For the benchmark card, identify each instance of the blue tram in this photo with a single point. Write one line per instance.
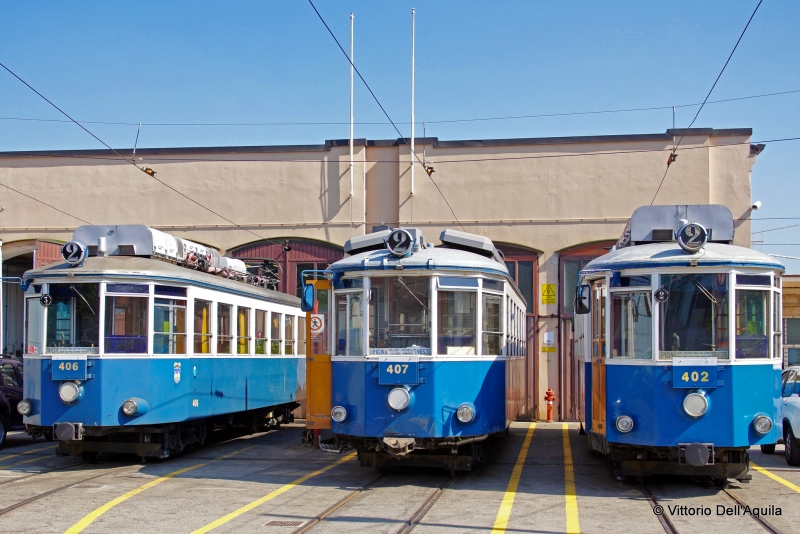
(428, 348)
(681, 338)
(141, 342)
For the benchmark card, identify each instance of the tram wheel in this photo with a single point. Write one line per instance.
(768, 449)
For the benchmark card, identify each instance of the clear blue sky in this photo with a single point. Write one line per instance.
(168, 62)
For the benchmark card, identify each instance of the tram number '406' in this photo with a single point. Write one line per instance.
(694, 376)
(397, 369)
(68, 366)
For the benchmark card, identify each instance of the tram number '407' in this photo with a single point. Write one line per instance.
(397, 369)
(694, 376)
(68, 366)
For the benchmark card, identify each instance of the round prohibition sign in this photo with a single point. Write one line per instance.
(317, 325)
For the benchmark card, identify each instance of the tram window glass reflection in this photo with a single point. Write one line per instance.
(694, 318)
(288, 343)
(261, 332)
(202, 326)
(788, 384)
(33, 326)
(752, 323)
(457, 320)
(126, 325)
(169, 326)
(242, 330)
(276, 320)
(492, 325)
(399, 311)
(776, 325)
(224, 332)
(72, 320)
(493, 285)
(632, 281)
(457, 281)
(631, 325)
(301, 335)
(170, 291)
(349, 321)
(9, 375)
(752, 279)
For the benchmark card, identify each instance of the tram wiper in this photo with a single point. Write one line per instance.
(714, 303)
(399, 279)
(72, 287)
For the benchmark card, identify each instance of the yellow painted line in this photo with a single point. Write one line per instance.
(775, 477)
(501, 521)
(571, 503)
(22, 462)
(4, 458)
(247, 507)
(90, 518)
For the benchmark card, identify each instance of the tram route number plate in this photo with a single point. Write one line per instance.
(396, 370)
(69, 367)
(699, 374)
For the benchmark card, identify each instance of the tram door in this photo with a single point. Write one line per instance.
(598, 357)
(318, 359)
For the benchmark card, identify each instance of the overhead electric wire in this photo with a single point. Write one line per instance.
(775, 229)
(46, 204)
(128, 161)
(370, 123)
(386, 114)
(675, 149)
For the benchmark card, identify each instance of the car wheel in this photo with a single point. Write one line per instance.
(792, 447)
(3, 431)
(768, 449)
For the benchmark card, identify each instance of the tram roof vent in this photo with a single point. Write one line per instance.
(654, 224)
(471, 242)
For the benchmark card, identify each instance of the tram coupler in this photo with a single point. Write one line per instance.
(398, 446)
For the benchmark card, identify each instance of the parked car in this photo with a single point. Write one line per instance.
(10, 395)
(790, 392)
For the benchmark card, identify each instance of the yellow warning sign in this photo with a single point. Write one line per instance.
(548, 293)
(548, 349)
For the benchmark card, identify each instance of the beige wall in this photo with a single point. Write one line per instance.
(545, 194)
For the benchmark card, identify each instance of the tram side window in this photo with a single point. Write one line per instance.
(752, 323)
(349, 321)
(631, 325)
(275, 330)
(492, 325)
(261, 331)
(224, 336)
(399, 310)
(72, 320)
(301, 336)
(777, 351)
(288, 343)
(694, 316)
(169, 326)
(126, 325)
(202, 326)
(33, 326)
(457, 317)
(243, 330)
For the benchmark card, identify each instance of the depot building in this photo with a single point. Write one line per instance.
(549, 204)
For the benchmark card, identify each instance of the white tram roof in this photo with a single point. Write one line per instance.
(669, 254)
(426, 259)
(132, 268)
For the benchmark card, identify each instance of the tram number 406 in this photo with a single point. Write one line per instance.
(397, 369)
(68, 366)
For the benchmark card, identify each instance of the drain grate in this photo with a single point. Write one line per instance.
(279, 523)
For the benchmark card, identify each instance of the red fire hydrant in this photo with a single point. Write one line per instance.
(549, 397)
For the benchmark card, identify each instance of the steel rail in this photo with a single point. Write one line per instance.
(769, 527)
(667, 525)
(426, 506)
(321, 517)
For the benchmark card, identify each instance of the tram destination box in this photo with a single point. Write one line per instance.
(694, 372)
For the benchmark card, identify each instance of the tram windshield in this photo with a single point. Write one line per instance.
(399, 310)
(694, 316)
(73, 324)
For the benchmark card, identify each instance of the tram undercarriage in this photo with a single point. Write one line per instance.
(694, 459)
(157, 441)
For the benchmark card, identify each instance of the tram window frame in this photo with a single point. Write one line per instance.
(79, 321)
(485, 333)
(391, 299)
(614, 337)
(34, 326)
(261, 326)
(752, 352)
(450, 291)
(200, 338)
(113, 292)
(175, 332)
(275, 336)
(348, 336)
(777, 324)
(243, 341)
(301, 335)
(224, 329)
(288, 334)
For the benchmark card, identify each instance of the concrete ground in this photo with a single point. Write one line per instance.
(268, 482)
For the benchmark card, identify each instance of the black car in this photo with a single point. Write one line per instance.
(10, 395)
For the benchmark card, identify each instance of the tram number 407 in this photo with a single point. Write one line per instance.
(397, 369)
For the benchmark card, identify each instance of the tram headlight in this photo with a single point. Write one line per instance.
(399, 398)
(129, 407)
(465, 413)
(135, 406)
(624, 423)
(338, 414)
(69, 392)
(695, 404)
(24, 407)
(762, 424)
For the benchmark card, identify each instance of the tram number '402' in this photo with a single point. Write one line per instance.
(397, 369)
(68, 366)
(694, 376)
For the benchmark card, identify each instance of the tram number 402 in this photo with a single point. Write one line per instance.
(397, 369)
(694, 376)
(68, 366)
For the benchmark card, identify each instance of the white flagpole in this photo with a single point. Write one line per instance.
(413, 15)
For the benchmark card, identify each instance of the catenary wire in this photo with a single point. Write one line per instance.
(414, 154)
(128, 161)
(675, 149)
(45, 203)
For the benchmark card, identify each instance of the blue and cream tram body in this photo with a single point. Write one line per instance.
(429, 348)
(681, 339)
(133, 345)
